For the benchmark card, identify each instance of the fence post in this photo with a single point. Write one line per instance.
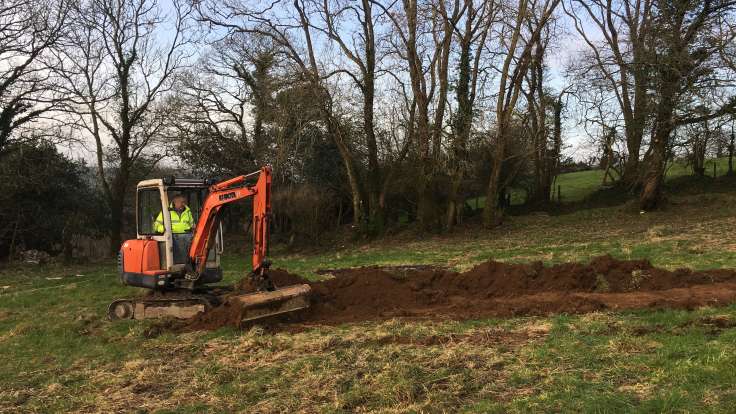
(714, 169)
(559, 193)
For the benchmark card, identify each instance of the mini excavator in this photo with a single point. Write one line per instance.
(179, 269)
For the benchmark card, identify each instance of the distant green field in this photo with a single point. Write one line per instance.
(576, 186)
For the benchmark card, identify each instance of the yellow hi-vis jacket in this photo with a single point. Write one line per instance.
(180, 223)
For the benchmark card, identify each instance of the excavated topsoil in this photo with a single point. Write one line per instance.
(491, 289)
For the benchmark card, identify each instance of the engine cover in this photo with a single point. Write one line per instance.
(140, 256)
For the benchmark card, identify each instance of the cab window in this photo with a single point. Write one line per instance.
(149, 207)
(194, 198)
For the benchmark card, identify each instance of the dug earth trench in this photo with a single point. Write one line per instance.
(491, 289)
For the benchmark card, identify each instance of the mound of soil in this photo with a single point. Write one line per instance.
(493, 289)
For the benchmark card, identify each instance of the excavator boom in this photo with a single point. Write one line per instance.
(231, 191)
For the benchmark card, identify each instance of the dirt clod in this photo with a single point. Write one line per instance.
(492, 289)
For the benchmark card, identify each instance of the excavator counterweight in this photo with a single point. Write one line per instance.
(178, 268)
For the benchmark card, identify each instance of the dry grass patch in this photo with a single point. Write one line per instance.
(639, 390)
(353, 368)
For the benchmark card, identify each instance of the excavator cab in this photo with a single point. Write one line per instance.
(158, 258)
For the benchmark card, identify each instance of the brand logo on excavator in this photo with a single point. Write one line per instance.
(227, 196)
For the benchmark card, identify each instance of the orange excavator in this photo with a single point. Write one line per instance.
(178, 267)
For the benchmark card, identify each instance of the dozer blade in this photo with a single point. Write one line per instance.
(264, 304)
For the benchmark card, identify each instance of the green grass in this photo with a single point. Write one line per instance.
(61, 355)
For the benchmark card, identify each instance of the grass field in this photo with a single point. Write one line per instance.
(60, 354)
(576, 186)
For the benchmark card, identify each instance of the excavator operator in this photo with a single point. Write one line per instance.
(181, 226)
(181, 217)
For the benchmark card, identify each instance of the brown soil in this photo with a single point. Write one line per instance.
(493, 289)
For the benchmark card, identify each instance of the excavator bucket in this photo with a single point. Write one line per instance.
(264, 304)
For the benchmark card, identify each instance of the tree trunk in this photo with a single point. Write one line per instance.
(730, 154)
(116, 202)
(425, 204)
(635, 131)
(462, 132)
(374, 177)
(554, 157)
(116, 226)
(492, 212)
(350, 170)
(631, 166)
(653, 176)
(537, 104)
(700, 147)
(455, 202)
(423, 134)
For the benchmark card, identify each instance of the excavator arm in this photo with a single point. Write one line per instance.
(226, 192)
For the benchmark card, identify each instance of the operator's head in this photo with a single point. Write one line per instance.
(179, 201)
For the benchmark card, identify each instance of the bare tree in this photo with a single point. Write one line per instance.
(289, 26)
(687, 56)
(423, 41)
(543, 109)
(229, 97)
(117, 71)
(622, 59)
(28, 30)
(472, 33)
(518, 41)
(360, 46)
